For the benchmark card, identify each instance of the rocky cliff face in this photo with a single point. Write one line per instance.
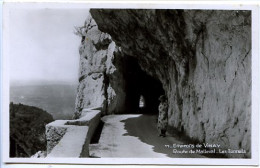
(201, 58)
(100, 74)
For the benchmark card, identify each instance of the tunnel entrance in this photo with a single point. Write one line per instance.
(142, 90)
(141, 102)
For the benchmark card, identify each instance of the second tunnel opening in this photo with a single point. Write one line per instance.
(142, 90)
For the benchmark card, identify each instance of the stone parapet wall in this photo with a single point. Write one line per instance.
(71, 138)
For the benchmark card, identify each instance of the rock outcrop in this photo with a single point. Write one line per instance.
(100, 72)
(201, 58)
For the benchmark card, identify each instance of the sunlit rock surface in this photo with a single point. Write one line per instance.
(202, 59)
(100, 72)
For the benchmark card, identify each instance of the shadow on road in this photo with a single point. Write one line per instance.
(144, 128)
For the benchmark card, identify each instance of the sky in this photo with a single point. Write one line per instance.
(43, 47)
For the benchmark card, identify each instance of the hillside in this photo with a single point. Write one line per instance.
(27, 130)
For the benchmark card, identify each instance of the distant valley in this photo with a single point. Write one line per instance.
(56, 99)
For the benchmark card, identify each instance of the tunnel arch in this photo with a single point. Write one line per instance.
(139, 83)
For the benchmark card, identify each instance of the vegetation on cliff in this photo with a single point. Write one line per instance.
(27, 130)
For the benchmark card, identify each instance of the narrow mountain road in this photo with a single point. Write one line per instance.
(135, 136)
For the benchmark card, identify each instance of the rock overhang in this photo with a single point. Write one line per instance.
(201, 58)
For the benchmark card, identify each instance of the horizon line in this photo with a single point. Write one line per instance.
(41, 82)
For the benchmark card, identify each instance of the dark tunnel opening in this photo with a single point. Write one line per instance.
(142, 90)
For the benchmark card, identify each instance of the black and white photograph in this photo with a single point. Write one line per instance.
(130, 84)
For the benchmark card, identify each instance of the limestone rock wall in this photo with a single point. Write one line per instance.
(99, 69)
(202, 58)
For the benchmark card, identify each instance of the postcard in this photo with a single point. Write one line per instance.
(130, 83)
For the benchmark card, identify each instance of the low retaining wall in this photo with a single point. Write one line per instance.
(71, 138)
